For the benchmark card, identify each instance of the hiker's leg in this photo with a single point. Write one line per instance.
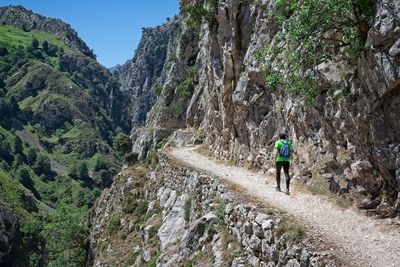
(286, 170)
(278, 174)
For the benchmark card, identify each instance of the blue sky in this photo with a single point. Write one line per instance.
(112, 28)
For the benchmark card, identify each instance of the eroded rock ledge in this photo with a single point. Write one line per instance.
(173, 216)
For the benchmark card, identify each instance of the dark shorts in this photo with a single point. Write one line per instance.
(284, 164)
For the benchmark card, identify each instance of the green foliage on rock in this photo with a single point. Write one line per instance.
(187, 208)
(122, 143)
(114, 223)
(197, 11)
(313, 32)
(221, 212)
(131, 158)
(158, 89)
(289, 230)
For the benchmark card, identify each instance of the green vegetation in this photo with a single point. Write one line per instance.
(151, 158)
(153, 260)
(132, 259)
(177, 105)
(313, 32)
(12, 37)
(289, 230)
(131, 158)
(187, 208)
(158, 89)
(114, 223)
(221, 212)
(199, 257)
(19, 47)
(58, 103)
(199, 11)
(162, 143)
(211, 231)
(66, 236)
(186, 88)
(122, 143)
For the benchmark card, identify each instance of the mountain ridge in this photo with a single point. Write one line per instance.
(60, 117)
(28, 20)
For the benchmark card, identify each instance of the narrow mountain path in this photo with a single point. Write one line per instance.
(362, 240)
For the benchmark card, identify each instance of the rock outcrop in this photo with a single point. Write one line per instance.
(141, 76)
(168, 215)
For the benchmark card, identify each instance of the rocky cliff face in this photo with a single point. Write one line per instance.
(167, 215)
(344, 144)
(351, 143)
(141, 76)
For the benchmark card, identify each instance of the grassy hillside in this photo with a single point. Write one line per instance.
(56, 142)
(11, 36)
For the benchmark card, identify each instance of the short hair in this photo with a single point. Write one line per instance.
(282, 135)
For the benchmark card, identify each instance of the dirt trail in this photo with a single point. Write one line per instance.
(362, 240)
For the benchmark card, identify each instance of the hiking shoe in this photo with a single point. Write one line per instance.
(278, 189)
(287, 192)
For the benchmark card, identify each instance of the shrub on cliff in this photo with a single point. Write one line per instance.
(313, 32)
(122, 143)
(199, 11)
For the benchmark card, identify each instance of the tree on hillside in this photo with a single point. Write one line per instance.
(122, 143)
(8, 107)
(67, 236)
(45, 46)
(82, 170)
(5, 151)
(42, 165)
(16, 144)
(31, 156)
(38, 54)
(24, 178)
(99, 163)
(72, 171)
(35, 44)
(17, 161)
(3, 51)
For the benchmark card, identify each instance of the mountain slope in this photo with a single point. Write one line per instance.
(141, 76)
(27, 20)
(60, 111)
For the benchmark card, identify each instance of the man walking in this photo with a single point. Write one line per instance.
(283, 153)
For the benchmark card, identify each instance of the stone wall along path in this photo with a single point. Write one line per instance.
(363, 240)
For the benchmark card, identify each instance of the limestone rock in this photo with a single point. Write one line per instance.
(173, 226)
(191, 239)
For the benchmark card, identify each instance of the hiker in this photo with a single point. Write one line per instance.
(283, 154)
